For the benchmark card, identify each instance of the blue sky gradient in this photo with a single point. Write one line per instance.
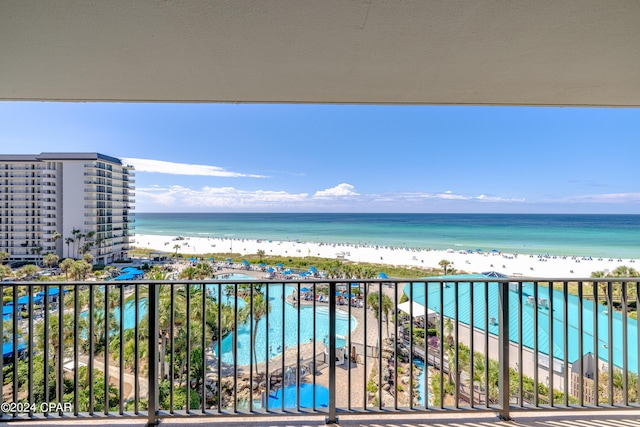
(350, 158)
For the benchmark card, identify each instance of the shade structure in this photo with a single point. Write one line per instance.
(270, 270)
(305, 290)
(245, 262)
(355, 285)
(7, 349)
(262, 264)
(127, 276)
(495, 274)
(418, 309)
(229, 260)
(52, 292)
(313, 269)
(279, 264)
(382, 275)
(192, 259)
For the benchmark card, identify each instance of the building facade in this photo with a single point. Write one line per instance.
(66, 203)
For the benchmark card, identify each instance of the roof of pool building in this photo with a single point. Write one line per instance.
(545, 317)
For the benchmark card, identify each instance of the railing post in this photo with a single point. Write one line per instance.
(153, 353)
(332, 418)
(503, 349)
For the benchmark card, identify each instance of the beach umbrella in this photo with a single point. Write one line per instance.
(211, 259)
(245, 262)
(279, 265)
(313, 269)
(382, 276)
(494, 250)
(305, 290)
(355, 285)
(229, 260)
(470, 251)
(338, 293)
(262, 264)
(270, 270)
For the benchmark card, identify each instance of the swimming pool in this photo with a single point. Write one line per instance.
(289, 329)
(545, 318)
(306, 397)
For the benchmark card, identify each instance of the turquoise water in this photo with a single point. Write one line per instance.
(584, 235)
(546, 319)
(306, 397)
(422, 378)
(276, 328)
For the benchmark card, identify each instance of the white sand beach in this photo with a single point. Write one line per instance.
(525, 265)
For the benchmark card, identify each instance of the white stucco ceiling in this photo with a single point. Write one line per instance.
(538, 52)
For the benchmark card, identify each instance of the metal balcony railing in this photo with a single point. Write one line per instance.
(297, 347)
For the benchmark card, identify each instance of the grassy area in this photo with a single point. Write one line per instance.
(303, 263)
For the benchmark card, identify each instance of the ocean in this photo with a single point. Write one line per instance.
(615, 236)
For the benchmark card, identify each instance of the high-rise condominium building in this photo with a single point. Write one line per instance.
(65, 203)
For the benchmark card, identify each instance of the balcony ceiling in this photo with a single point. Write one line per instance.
(479, 52)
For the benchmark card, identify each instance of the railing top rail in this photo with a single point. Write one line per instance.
(327, 281)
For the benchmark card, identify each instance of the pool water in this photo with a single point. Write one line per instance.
(546, 319)
(284, 335)
(306, 397)
(421, 380)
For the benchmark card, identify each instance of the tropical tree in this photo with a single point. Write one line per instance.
(260, 308)
(5, 271)
(50, 260)
(65, 266)
(3, 256)
(176, 247)
(27, 272)
(88, 258)
(445, 265)
(52, 336)
(79, 270)
(68, 241)
(260, 254)
(76, 239)
(37, 250)
(373, 300)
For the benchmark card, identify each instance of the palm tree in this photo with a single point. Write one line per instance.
(5, 271)
(373, 300)
(79, 270)
(68, 241)
(260, 254)
(444, 264)
(77, 236)
(260, 308)
(176, 247)
(52, 335)
(50, 260)
(65, 266)
(37, 250)
(3, 256)
(28, 271)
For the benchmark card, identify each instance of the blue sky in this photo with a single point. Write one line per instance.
(349, 158)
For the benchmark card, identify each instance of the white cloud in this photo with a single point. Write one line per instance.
(340, 190)
(613, 198)
(173, 168)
